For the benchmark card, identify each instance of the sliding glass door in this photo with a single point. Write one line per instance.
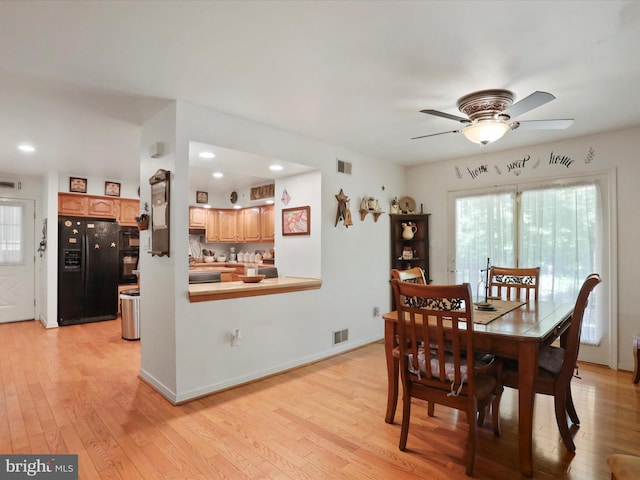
(561, 226)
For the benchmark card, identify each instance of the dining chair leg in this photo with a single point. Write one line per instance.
(482, 412)
(406, 415)
(495, 413)
(431, 409)
(561, 420)
(471, 440)
(571, 409)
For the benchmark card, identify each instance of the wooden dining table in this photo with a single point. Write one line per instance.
(516, 334)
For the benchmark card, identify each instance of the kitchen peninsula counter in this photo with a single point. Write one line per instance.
(204, 292)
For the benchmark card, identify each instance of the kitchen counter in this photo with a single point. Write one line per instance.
(226, 273)
(204, 292)
(211, 267)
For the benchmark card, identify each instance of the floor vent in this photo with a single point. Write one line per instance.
(343, 166)
(9, 184)
(340, 336)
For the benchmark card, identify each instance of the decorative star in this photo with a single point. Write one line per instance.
(342, 206)
(96, 246)
(113, 244)
(75, 231)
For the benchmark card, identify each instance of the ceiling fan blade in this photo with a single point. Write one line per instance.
(438, 113)
(435, 134)
(535, 100)
(559, 124)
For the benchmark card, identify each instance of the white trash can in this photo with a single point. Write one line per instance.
(130, 314)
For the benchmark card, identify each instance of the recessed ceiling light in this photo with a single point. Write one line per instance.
(26, 148)
(275, 167)
(237, 206)
(207, 154)
(268, 202)
(218, 175)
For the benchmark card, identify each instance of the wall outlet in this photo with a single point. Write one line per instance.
(235, 338)
(376, 311)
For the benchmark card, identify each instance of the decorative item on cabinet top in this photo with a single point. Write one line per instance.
(202, 197)
(407, 205)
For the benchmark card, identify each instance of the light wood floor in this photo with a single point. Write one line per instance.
(75, 390)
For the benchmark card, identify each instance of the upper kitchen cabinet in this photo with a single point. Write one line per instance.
(124, 210)
(197, 217)
(129, 210)
(267, 222)
(228, 225)
(102, 207)
(74, 204)
(251, 223)
(212, 230)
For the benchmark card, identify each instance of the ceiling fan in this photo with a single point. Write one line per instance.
(489, 113)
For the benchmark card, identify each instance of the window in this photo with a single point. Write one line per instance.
(11, 234)
(555, 226)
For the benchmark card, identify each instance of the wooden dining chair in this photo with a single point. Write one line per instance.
(413, 275)
(556, 366)
(514, 283)
(445, 373)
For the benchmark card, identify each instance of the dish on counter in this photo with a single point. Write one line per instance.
(251, 278)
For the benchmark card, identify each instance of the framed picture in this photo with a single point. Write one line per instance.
(112, 189)
(202, 197)
(78, 185)
(296, 221)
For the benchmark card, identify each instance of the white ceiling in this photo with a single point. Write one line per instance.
(77, 79)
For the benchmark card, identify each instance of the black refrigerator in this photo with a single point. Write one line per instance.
(87, 270)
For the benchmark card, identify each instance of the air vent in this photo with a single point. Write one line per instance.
(343, 166)
(340, 336)
(9, 184)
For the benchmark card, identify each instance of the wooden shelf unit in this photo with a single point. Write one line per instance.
(419, 244)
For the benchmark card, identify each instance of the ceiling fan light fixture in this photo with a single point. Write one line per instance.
(485, 131)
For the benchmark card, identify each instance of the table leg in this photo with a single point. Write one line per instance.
(393, 367)
(527, 371)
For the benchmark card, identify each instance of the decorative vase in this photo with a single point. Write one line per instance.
(408, 230)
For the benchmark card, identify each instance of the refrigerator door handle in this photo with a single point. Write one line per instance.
(85, 258)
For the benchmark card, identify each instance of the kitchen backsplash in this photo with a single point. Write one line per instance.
(196, 246)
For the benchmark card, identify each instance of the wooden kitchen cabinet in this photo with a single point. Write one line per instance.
(124, 210)
(253, 224)
(212, 230)
(101, 207)
(129, 210)
(197, 217)
(73, 204)
(228, 227)
(251, 221)
(267, 223)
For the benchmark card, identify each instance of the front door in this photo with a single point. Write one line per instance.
(17, 258)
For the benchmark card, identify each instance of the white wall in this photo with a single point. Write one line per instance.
(278, 331)
(158, 316)
(429, 184)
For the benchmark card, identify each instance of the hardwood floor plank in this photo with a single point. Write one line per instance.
(76, 390)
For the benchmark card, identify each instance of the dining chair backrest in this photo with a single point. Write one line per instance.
(440, 316)
(571, 341)
(413, 275)
(514, 283)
